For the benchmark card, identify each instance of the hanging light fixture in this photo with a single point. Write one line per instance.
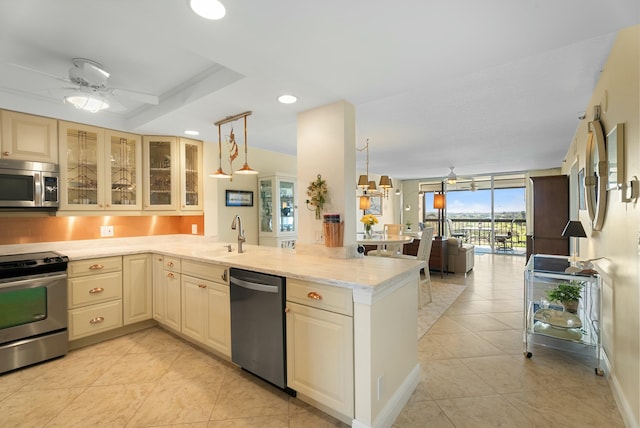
(83, 100)
(220, 172)
(369, 187)
(246, 169)
(208, 9)
(452, 177)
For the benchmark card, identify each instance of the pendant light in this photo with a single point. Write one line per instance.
(246, 169)
(220, 172)
(369, 187)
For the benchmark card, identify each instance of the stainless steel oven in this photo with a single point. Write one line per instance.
(33, 308)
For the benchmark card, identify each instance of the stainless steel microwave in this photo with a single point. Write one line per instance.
(25, 184)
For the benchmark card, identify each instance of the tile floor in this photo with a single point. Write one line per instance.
(473, 375)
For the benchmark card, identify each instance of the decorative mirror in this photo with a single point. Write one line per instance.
(595, 180)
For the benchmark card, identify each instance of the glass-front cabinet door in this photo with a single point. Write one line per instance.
(81, 167)
(190, 175)
(124, 154)
(160, 178)
(278, 211)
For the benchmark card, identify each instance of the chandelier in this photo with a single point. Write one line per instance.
(368, 187)
(233, 149)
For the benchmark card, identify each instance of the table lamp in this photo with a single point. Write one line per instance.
(575, 230)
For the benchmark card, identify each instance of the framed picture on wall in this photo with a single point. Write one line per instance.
(238, 198)
(581, 204)
(376, 205)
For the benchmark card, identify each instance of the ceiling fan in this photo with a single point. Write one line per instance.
(90, 91)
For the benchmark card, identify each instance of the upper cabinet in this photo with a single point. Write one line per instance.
(27, 137)
(278, 211)
(190, 175)
(172, 174)
(160, 179)
(99, 169)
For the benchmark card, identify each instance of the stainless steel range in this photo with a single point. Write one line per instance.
(33, 308)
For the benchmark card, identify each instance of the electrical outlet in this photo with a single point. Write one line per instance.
(319, 237)
(194, 229)
(380, 387)
(106, 231)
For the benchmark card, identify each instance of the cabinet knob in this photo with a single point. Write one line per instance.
(96, 290)
(313, 295)
(96, 320)
(170, 264)
(170, 275)
(224, 275)
(5, 153)
(287, 310)
(96, 267)
(202, 286)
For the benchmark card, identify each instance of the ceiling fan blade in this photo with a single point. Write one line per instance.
(115, 105)
(138, 96)
(43, 73)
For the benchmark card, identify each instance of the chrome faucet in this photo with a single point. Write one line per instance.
(237, 224)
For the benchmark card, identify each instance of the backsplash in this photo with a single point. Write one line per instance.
(24, 230)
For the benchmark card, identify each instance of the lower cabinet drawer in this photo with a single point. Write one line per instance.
(88, 290)
(94, 319)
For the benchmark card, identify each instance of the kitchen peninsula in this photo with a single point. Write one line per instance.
(380, 362)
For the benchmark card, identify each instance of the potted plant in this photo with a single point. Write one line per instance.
(567, 293)
(408, 224)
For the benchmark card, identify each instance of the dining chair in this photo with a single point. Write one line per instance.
(424, 252)
(390, 250)
(459, 234)
(505, 240)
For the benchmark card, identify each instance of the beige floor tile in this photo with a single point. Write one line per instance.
(278, 421)
(429, 349)
(314, 418)
(511, 373)
(447, 324)
(508, 341)
(567, 408)
(117, 346)
(464, 345)
(483, 412)
(159, 340)
(71, 371)
(470, 307)
(195, 364)
(247, 396)
(111, 406)
(512, 319)
(452, 379)
(478, 322)
(35, 408)
(138, 368)
(422, 415)
(187, 402)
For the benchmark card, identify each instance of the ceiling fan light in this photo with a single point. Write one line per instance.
(87, 102)
(208, 9)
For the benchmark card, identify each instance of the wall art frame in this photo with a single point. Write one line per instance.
(238, 198)
(581, 203)
(615, 158)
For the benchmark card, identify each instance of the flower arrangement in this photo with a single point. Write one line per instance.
(369, 220)
(317, 191)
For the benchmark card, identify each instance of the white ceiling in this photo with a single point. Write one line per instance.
(491, 86)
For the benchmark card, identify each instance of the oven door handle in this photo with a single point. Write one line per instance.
(254, 285)
(32, 281)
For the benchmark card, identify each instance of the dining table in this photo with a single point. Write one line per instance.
(384, 241)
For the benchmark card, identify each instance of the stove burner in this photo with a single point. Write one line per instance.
(16, 265)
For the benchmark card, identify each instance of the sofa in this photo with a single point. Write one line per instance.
(460, 256)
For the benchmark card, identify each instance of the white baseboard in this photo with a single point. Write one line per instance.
(623, 404)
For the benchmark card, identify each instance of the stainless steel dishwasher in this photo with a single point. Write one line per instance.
(258, 325)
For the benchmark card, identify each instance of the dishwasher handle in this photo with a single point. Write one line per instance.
(254, 285)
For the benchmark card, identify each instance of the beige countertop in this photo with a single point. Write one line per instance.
(357, 273)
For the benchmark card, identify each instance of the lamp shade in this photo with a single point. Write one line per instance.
(365, 203)
(438, 201)
(385, 182)
(363, 181)
(575, 229)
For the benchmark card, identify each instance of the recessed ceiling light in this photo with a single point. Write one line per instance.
(190, 132)
(287, 99)
(208, 9)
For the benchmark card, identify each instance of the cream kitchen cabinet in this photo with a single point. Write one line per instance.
(190, 175)
(159, 292)
(160, 173)
(278, 211)
(137, 289)
(95, 296)
(99, 169)
(320, 344)
(206, 312)
(167, 299)
(28, 137)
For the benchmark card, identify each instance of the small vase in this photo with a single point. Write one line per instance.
(570, 306)
(368, 231)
